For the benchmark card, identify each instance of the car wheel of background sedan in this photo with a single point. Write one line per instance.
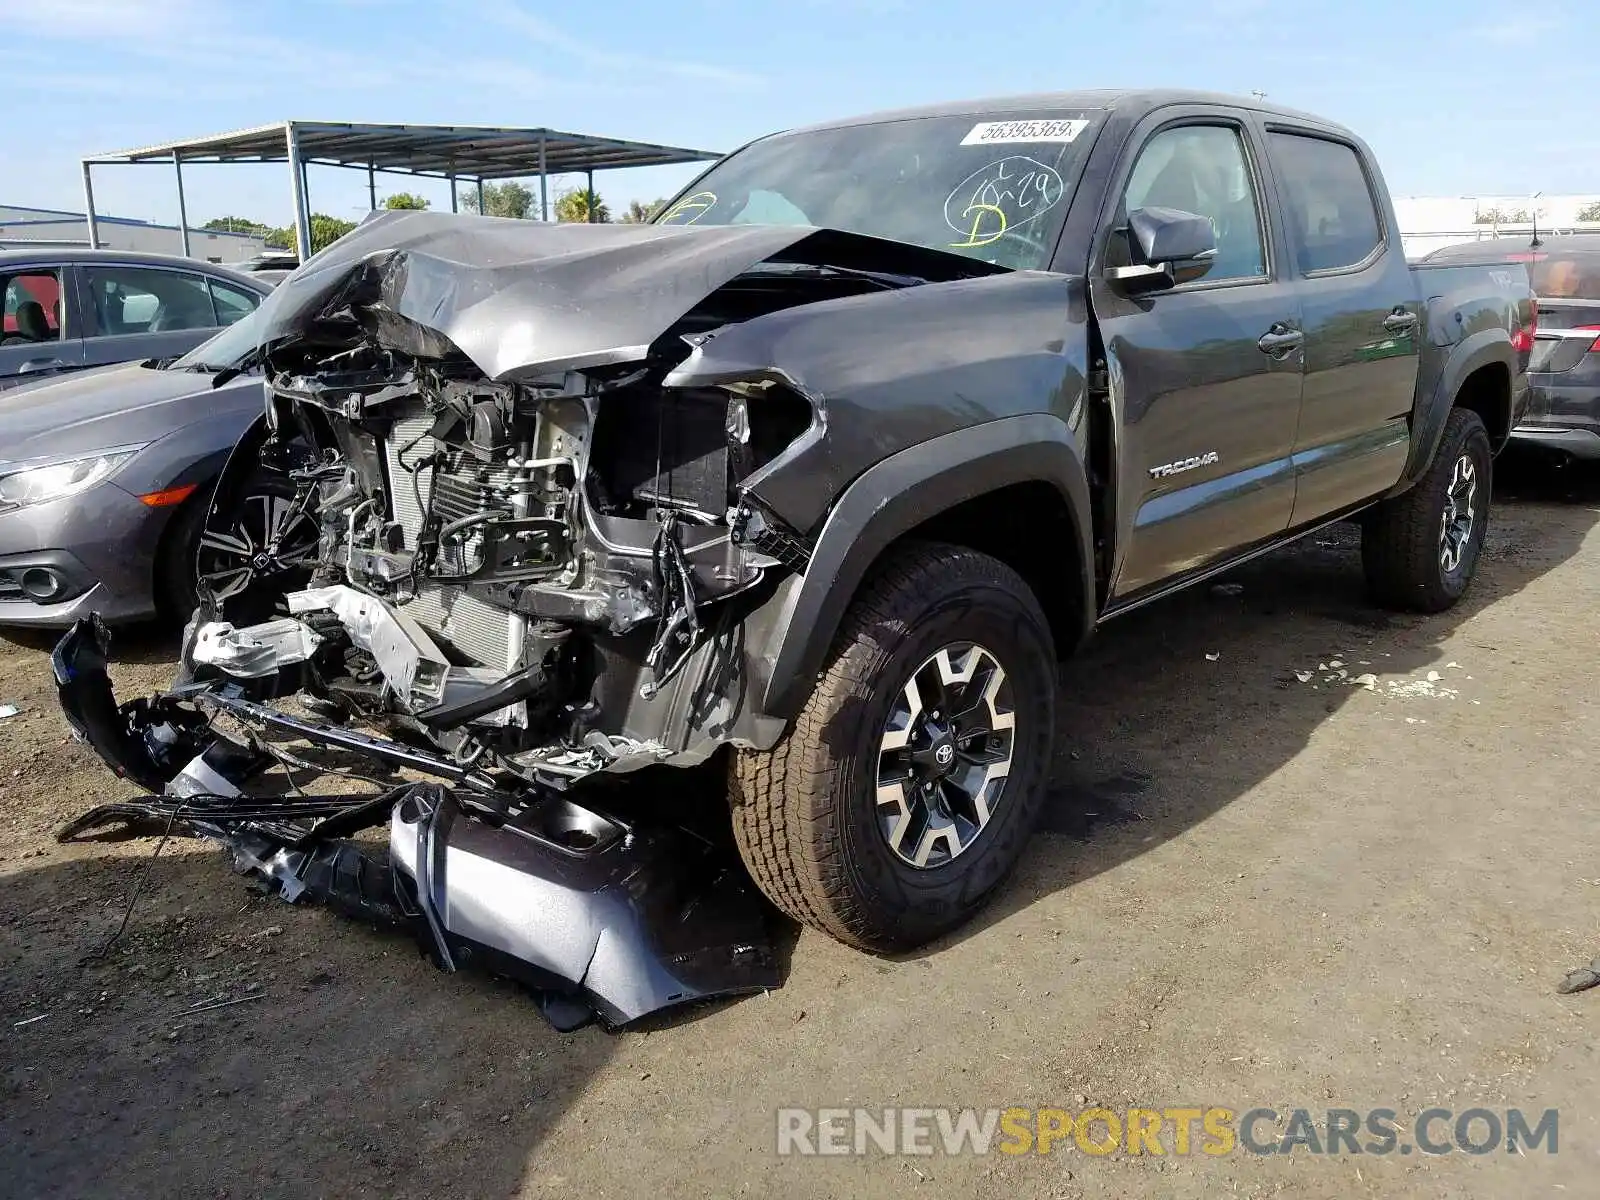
(265, 538)
(906, 789)
(1420, 548)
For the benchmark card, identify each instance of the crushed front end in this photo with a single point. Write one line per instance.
(543, 560)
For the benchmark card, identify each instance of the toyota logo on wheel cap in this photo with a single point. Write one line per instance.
(945, 755)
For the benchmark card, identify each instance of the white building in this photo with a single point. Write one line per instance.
(24, 227)
(1428, 222)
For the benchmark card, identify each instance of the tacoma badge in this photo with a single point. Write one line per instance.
(1185, 464)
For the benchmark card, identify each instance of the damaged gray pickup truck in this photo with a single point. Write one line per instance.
(817, 475)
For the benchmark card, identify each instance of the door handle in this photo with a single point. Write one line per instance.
(1280, 341)
(1400, 321)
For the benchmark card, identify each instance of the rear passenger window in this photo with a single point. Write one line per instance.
(1567, 276)
(232, 303)
(1333, 221)
(145, 300)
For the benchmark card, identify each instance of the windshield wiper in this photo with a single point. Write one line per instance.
(888, 280)
(228, 374)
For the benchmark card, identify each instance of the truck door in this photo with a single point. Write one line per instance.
(1204, 377)
(1360, 306)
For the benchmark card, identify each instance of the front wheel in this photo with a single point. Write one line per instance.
(267, 538)
(1420, 548)
(905, 791)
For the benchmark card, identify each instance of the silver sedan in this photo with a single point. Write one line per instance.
(105, 482)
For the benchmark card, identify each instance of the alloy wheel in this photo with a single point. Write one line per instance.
(945, 755)
(271, 535)
(1455, 526)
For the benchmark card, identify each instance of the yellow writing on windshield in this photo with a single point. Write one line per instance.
(988, 225)
(691, 208)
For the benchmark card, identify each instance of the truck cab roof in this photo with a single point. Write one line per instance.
(1133, 102)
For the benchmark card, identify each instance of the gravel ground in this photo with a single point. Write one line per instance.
(1261, 885)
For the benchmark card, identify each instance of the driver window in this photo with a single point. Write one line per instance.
(1202, 169)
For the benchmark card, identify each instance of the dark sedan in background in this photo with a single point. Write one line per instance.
(1564, 372)
(105, 479)
(69, 309)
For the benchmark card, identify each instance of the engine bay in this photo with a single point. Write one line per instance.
(547, 576)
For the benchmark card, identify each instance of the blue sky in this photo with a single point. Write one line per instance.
(1449, 92)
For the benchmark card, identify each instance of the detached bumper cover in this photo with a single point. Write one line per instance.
(601, 917)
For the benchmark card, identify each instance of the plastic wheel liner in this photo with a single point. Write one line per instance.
(599, 916)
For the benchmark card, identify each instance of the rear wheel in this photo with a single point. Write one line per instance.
(1420, 549)
(906, 789)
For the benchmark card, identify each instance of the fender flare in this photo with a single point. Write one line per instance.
(894, 497)
(1487, 347)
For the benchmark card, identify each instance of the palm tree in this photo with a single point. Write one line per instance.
(574, 205)
(639, 212)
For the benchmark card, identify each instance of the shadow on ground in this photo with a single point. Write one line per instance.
(1155, 736)
(145, 644)
(365, 1071)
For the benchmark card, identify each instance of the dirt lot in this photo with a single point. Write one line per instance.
(1254, 891)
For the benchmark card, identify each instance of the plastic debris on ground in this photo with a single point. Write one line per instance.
(8, 710)
(1334, 671)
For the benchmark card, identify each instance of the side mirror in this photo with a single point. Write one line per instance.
(1172, 247)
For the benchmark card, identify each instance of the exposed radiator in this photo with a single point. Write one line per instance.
(465, 484)
(477, 629)
(471, 626)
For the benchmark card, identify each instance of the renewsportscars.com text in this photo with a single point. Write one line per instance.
(1176, 1130)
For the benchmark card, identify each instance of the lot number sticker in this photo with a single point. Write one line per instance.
(1000, 133)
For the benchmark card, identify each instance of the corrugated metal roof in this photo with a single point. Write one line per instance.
(468, 151)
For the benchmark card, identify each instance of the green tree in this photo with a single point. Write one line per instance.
(409, 201)
(639, 212)
(1500, 216)
(325, 231)
(236, 225)
(1590, 212)
(508, 199)
(277, 238)
(575, 204)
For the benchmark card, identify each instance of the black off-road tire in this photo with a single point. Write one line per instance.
(805, 814)
(1401, 539)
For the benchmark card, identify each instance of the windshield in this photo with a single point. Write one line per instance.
(991, 189)
(223, 351)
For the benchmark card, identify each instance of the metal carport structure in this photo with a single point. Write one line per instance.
(459, 153)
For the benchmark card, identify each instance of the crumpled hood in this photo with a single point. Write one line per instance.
(527, 298)
(120, 406)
